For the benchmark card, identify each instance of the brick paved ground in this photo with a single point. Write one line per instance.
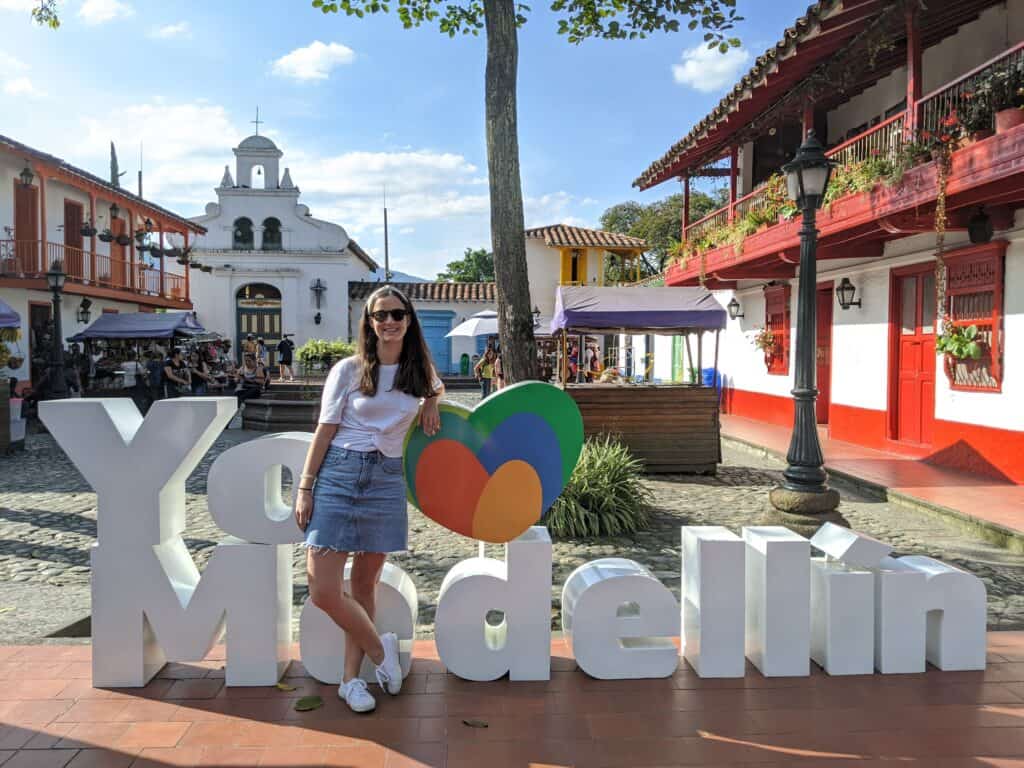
(47, 523)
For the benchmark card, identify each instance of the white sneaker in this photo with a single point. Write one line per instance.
(355, 694)
(389, 673)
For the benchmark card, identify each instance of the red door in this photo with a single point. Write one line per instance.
(915, 351)
(823, 353)
(118, 258)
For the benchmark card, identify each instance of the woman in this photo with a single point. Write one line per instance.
(499, 372)
(175, 375)
(250, 379)
(359, 505)
(484, 370)
(200, 372)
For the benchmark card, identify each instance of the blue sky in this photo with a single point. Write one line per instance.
(357, 104)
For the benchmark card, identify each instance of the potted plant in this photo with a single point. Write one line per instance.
(123, 240)
(106, 235)
(155, 252)
(87, 230)
(959, 345)
(1005, 88)
(976, 115)
(142, 248)
(764, 340)
(192, 264)
(206, 268)
(183, 260)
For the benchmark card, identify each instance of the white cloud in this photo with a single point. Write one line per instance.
(14, 80)
(169, 31)
(314, 62)
(101, 11)
(22, 86)
(407, 230)
(707, 70)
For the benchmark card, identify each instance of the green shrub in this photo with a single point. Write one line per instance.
(324, 352)
(605, 495)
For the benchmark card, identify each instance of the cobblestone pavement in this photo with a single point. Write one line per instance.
(48, 522)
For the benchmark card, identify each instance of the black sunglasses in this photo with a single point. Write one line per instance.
(398, 315)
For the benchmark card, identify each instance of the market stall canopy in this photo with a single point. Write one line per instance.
(637, 310)
(8, 317)
(141, 325)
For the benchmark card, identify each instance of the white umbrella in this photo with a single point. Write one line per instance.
(481, 324)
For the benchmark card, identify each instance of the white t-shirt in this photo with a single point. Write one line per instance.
(377, 423)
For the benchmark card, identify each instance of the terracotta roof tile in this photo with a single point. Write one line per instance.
(440, 292)
(564, 236)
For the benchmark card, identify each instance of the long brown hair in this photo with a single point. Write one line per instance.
(415, 373)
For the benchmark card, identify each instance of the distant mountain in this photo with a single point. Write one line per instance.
(398, 277)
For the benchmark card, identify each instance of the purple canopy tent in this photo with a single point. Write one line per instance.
(8, 317)
(141, 325)
(669, 427)
(676, 311)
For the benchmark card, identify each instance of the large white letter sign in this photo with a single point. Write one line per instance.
(147, 596)
(927, 609)
(244, 487)
(843, 600)
(520, 587)
(713, 600)
(778, 626)
(322, 642)
(620, 621)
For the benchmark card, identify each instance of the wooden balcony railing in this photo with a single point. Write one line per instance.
(25, 259)
(885, 139)
(934, 107)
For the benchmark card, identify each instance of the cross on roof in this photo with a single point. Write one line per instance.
(257, 121)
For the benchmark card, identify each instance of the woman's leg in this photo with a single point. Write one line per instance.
(325, 569)
(366, 570)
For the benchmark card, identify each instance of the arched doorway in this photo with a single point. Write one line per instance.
(258, 311)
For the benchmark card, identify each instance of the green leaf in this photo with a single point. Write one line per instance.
(285, 687)
(971, 332)
(308, 703)
(973, 350)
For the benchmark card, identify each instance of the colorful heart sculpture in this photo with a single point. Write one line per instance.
(492, 472)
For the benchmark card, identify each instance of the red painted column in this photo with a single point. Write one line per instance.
(188, 290)
(92, 237)
(913, 66)
(43, 251)
(131, 251)
(733, 168)
(686, 204)
(163, 260)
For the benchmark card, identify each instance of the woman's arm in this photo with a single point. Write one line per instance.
(314, 458)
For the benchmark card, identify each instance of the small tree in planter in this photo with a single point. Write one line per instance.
(764, 340)
(960, 343)
(1005, 89)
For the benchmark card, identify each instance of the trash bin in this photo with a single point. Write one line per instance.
(464, 364)
(710, 379)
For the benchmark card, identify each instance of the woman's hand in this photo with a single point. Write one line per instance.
(430, 417)
(303, 508)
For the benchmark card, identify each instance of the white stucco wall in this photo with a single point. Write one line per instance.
(544, 269)
(995, 30)
(860, 338)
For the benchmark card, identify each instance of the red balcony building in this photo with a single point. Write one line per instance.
(882, 84)
(120, 252)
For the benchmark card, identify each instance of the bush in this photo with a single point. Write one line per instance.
(605, 495)
(324, 352)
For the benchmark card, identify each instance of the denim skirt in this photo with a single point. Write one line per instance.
(359, 503)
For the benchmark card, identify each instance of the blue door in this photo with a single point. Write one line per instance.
(436, 323)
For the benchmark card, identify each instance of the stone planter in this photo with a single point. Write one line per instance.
(1008, 118)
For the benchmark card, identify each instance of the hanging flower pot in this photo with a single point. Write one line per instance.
(87, 230)
(14, 363)
(155, 252)
(206, 268)
(142, 248)
(1007, 119)
(174, 253)
(183, 260)
(194, 265)
(106, 236)
(123, 240)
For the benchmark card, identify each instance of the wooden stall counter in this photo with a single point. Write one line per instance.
(672, 428)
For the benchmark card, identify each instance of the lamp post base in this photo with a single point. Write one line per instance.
(804, 512)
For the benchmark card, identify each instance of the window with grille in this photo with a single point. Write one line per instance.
(777, 322)
(974, 296)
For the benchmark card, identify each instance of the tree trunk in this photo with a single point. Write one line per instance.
(508, 241)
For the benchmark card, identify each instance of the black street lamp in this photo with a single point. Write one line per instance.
(804, 489)
(734, 309)
(56, 385)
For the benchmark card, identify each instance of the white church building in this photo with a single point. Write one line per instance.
(275, 268)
